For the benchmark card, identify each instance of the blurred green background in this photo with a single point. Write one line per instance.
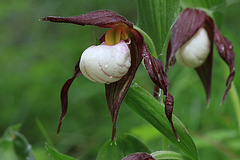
(37, 58)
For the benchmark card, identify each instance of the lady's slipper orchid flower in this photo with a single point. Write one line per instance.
(191, 45)
(115, 61)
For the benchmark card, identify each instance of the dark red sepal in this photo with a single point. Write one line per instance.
(225, 50)
(205, 74)
(115, 92)
(101, 18)
(159, 77)
(64, 94)
(205, 70)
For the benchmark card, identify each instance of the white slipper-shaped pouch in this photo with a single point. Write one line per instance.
(106, 63)
(195, 51)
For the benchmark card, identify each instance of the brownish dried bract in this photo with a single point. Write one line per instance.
(139, 156)
(116, 91)
(188, 23)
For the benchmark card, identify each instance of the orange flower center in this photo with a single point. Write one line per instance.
(115, 35)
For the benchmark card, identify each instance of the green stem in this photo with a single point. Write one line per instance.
(234, 97)
(236, 103)
(148, 41)
(44, 132)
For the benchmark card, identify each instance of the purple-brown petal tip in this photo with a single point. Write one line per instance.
(168, 111)
(64, 94)
(155, 70)
(50, 19)
(101, 18)
(225, 50)
(139, 156)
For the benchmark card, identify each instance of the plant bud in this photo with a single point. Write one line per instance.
(106, 63)
(195, 51)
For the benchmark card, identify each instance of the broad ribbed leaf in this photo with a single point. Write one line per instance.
(126, 145)
(168, 155)
(156, 18)
(150, 109)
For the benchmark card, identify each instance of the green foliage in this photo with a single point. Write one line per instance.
(156, 17)
(148, 42)
(14, 146)
(37, 58)
(44, 132)
(56, 155)
(168, 155)
(150, 109)
(125, 145)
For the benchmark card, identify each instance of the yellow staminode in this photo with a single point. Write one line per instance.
(115, 35)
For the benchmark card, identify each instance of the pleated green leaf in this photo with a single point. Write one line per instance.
(125, 145)
(156, 18)
(151, 110)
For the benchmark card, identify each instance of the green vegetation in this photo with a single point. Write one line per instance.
(37, 57)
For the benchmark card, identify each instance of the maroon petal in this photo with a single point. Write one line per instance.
(188, 23)
(64, 94)
(205, 74)
(225, 50)
(139, 156)
(101, 18)
(205, 70)
(115, 92)
(159, 77)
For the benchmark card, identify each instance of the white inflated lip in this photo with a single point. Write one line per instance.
(105, 63)
(195, 51)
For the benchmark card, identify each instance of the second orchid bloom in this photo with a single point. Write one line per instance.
(191, 45)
